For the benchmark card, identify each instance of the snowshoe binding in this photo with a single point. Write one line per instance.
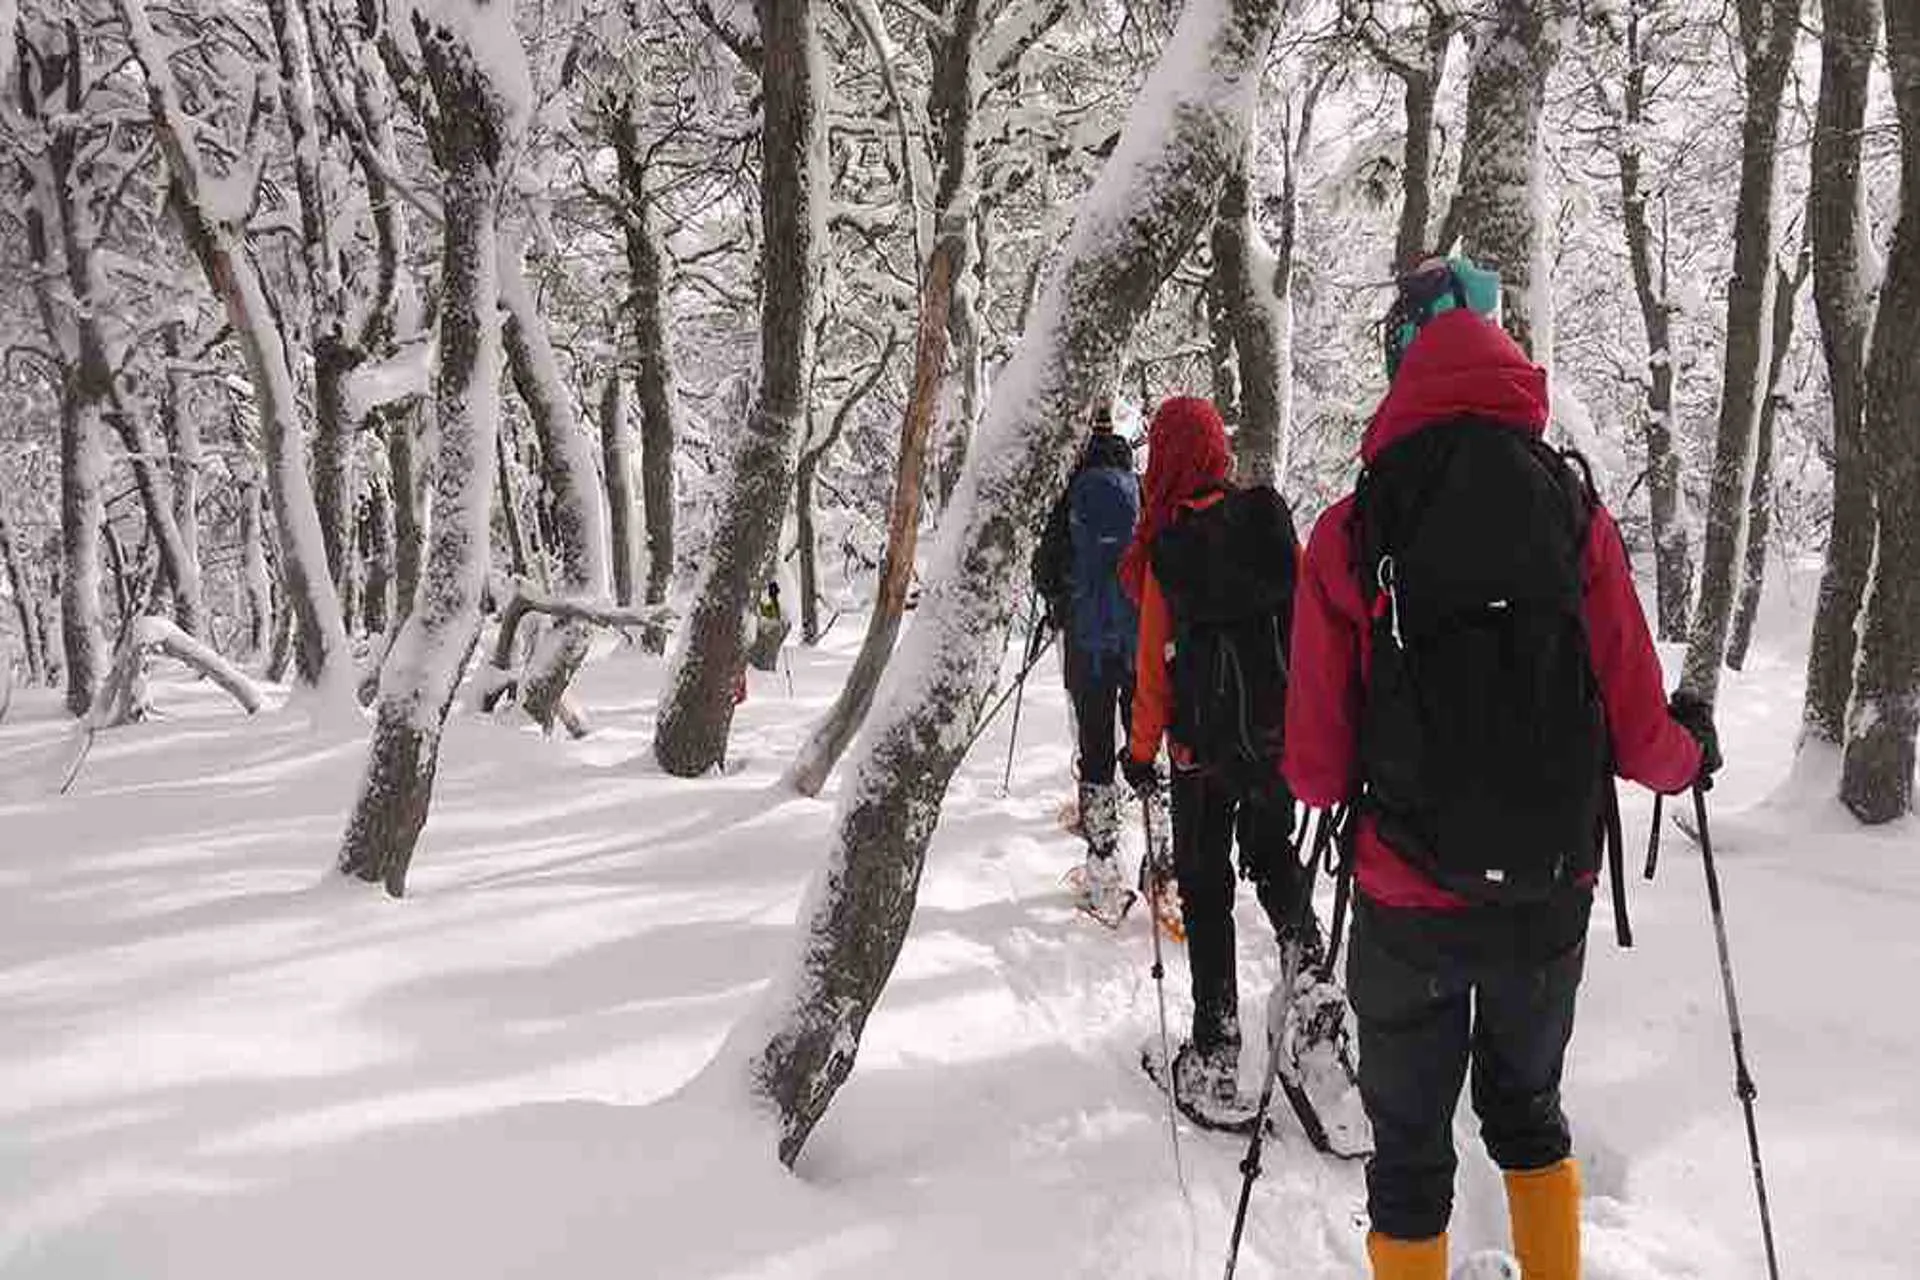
(1205, 1086)
(1314, 1062)
(1099, 891)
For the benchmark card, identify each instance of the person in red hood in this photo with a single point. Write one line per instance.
(1209, 559)
(1440, 983)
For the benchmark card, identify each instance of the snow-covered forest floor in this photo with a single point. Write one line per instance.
(218, 1060)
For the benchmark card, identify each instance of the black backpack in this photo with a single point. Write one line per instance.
(1228, 572)
(1483, 743)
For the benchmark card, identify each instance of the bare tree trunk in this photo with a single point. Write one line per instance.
(696, 711)
(1877, 774)
(322, 658)
(82, 624)
(566, 464)
(1767, 30)
(616, 460)
(1245, 303)
(653, 367)
(18, 583)
(1495, 211)
(1672, 552)
(182, 433)
(969, 375)
(519, 561)
(807, 552)
(1140, 220)
(376, 538)
(952, 109)
(1841, 297)
(1419, 72)
(255, 578)
(472, 131)
(1753, 581)
(409, 530)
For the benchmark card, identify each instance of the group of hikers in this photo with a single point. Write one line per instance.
(1457, 666)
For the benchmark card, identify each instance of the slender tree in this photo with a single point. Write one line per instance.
(1842, 293)
(1767, 32)
(1877, 773)
(474, 63)
(696, 711)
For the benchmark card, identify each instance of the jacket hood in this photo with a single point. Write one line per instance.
(1105, 449)
(1186, 455)
(1460, 365)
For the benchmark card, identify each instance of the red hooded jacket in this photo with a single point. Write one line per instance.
(1459, 365)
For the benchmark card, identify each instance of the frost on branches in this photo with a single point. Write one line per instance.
(474, 62)
(1153, 199)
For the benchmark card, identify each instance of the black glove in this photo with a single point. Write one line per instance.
(1142, 775)
(1695, 715)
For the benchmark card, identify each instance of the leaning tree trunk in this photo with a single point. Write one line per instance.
(566, 466)
(1672, 550)
(1495, 213)
(616, 462)
(18, 584)
(952, 109)
(1160, 186)
(1841, 297)
(1877, 773)
(697, 709)
(1767, 30)
(1753, 579)
(469, 49)
(653, 363)
(321, 659)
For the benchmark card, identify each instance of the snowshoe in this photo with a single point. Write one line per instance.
(1204, 1087)
(1098, 891)
(1314, 1063)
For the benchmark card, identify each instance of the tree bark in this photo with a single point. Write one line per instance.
(1877, 771)
(409, 528)
(1245, 302)
(467, 51)
(1767, 30)
(1138, 223)
(1672, 550)
(1841, 298)
(21, 587)
(375, 537)
(952, 109)
(321, 659)
(566, 467)
(616, 461)
(1753, 579)
(1494, 212)
(696, 711)
(82, 514)
(653, 363)
(256, 580)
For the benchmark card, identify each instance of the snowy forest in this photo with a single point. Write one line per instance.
(422, 824)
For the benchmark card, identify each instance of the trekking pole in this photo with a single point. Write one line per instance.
(1743, 1080)
(1036, 645)
(1289, 973)
(1616, 865)
(1344, 824)
(1155, 855)
(999, 704)
(1653, 839)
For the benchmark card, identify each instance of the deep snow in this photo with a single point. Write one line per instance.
(219, 1061)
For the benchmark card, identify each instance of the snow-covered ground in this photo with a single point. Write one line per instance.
(219, 1061)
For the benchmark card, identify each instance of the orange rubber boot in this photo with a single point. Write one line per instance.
(1396, 1259)
(1543, 1206)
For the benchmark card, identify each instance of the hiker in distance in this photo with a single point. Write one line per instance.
(1075, 572)
(1213, 569)
(1470, 662)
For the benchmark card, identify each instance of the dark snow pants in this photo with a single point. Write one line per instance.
(1429, 1014)
(1209, 818)
(1102, 693)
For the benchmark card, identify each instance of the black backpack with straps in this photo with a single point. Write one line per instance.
(1228, 573)
(1483, 742)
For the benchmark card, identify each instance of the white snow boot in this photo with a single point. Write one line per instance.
(1100, 890)
(1100, 817)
